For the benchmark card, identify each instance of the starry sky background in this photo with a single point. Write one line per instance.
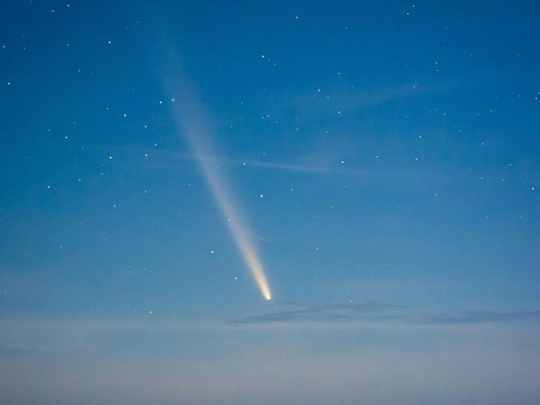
(383, 154)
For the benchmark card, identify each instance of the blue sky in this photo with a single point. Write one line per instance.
(377, 161)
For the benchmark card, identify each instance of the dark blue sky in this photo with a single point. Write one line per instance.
(379, 160)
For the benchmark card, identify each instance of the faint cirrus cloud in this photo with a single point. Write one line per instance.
(390, 314)
(326, 313)
(482, 316)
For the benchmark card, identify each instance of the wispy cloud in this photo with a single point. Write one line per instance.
(325, 313)
(328, 101)
(390, 314)
(159, 158)
(317, 169)
(475, 317)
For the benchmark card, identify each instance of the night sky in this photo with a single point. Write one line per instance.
(167, 165)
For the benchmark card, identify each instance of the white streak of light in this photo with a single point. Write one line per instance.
(192, 122)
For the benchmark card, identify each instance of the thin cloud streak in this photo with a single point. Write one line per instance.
(325, 313)
(476, 317)
(391, 314)
(280, 166)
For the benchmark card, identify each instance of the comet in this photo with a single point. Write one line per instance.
(193, 121)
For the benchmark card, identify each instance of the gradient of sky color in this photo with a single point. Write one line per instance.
(380, 157)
